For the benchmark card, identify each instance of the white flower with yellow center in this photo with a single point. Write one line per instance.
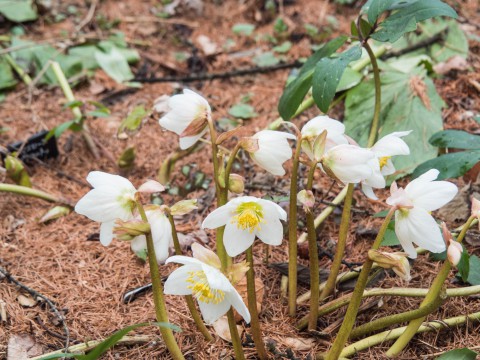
(200, 277)
(272, 150)
(112, 197)
(245, 218)
(388, 146)
(413, 222)
(188, 117)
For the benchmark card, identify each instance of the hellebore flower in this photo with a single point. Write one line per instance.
(201, 277)
(161, 233)
(112, 197)
(188, 117)
(413, 222)
(244, 218)
(388, 146)
(397, 261)
(271, 149)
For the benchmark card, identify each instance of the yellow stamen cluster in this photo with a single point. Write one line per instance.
(250, 216)
(201, 288)
(383, 161)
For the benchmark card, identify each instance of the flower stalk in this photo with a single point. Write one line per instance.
(27, 191)
(378, 95)
(158, 297)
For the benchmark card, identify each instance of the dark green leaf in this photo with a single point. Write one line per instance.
(381, 214)
(60, 129)
(114, 64)
(133, 121)
(474, 274)
(458, 354)
(7, 79)
(405, 19)
(450, 165)
(350, 78)
(327, 75)
(366, 28)
(455, 139)
(99, 113)
(439, 256)
(73, 104)
(464, 265)
(376, 8)
(390, 238)
(296, 90)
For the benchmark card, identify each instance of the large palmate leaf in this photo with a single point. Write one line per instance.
(328, 73)
(405, 19)
(18, 10)
(450, 165)
(455, 139)
(409, 102)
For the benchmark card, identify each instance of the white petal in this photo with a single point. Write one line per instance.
(102, 204)
(391, 145)
(106, 232)
(424, 231)
(368, 191)
(218, 217)
(271, 207)
(161, 233)
(139, 243)
(237, 302)
(216, 280)
(271, 232)
(185, 260)
(212, 312)
(403, 234)
(99, 178)
(206, 256)
(432, 195)
(318, 124)
(237, 240)
(187, 141)
(176, 283)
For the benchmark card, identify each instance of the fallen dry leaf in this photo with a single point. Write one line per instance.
(221, 329)
(241, 287)
(458, 208)
(3, 311)
(207, 45)
(298, 343)
(22, 347)
(454, 63)
(26, 300)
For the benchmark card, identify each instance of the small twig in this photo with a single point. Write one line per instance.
(40, 322)
(35, 294)
(221, 75)
(88, 18)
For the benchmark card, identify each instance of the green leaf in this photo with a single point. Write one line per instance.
(243, 29)
(7, 78)
(349, 79)
(409, 102)
(456, 139)
(114, 64)
(242, 111)
(464, 265)
(458, 354)
(405, 19)
(18, 10)
(134, 119)
(450, 165)
(390, 238)
(296, 90)
(283, 48)
(60, 129)
(474, 274)
(327, 75)
(377, 7)
(455, 44)
(266, 59)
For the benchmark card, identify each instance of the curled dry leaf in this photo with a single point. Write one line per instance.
(189, 238)
(221, 329)
(26, 300)
(23, 347)
(3, 311)
(241, 287)
(454, 63)
(298, 344)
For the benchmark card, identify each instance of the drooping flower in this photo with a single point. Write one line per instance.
(201, 277)
(388, 146)
(314, 127)
(244, 218)
(188, 117)
(271, 150)
(413, 222)
(112, 197)
(161, 233)
(397, 261)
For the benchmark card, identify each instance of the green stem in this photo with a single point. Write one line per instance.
(252, 307)
(189, 298)
(435, 289)
(158, 298)
(228, 167)
(341, 244)
(352, 310)
(18, 69)
(24, 190)
(395, 333)
(292, 232)
(313, 257)
(378, 95)
(67, 90)
(387, 321)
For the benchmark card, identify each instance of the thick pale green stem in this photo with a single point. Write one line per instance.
(435, 289)
(18, 69)
(189, 298)
(228, 167)
(292, 232)
(352, 309)
(252, 307)
(67, 90)
(341, 244)
(158, 298)
(24, 190)
(378, 95)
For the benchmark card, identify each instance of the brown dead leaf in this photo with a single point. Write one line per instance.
(454, 63)
(458, 208)
(241, 287)
(420, 89)
(298, 344)
(221, 329)
(3, 311)
(207, 45)
(26, 300)
(22, 347)
(199, 236)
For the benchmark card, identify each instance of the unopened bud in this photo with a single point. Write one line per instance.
(151, 186)
(319, 146)
(16, 171)
(184, 207)
(236, 183)
(454, 252)
(396, 261)
(306, 199)
(128, 230)
(447, 235)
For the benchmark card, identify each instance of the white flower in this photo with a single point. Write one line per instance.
(273, 150)
(388, 146)
(188, 117)
(413, 222)
(112, 197)
(161, 233)
(244, 218)
(348, 163)
(213, 291)
(314, 127)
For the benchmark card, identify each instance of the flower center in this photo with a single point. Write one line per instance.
(201, 288)
(383, 161)
(249, 216)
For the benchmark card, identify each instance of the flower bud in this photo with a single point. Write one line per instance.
(184, 207)
(396, 261)
(236, 183)
(150, 187)
(128, 230)
(319, 146)
(307, 199)
(454, 252)
(16, 171)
